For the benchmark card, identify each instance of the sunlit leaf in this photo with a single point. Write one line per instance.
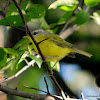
(23, 56)
(37, 60)
(68, 8)
(8, 64)
(58, 3)
(91, 3)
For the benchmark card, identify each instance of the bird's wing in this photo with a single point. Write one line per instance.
(60, 42)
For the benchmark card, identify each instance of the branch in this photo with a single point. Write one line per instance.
(27, 29)
(68, 21)
(20, 71)
(68, 32)
(15, 92)
(46, 85)
(35, 89)
(39, 51)
(34, 96)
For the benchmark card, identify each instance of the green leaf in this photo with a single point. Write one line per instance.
(22, 44)
(53, 25)
(37, 60)
(3, 56)
(82, 17)
(23, 56)
(11, 51)
(14, 20)
(35, 11)
(3, 68)
(13, 17)
(91, 3)
(30, 77)
(8, 64)
(58, 3)
(25, 4)
(64, 18)
(68, 8)
(12, 10)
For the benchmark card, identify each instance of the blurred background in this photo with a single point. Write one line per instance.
(76, 74)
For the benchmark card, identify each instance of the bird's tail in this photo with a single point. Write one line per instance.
(83, 53)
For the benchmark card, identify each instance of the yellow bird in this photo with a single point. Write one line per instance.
(53, 47)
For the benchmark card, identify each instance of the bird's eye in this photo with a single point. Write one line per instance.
(35, 33)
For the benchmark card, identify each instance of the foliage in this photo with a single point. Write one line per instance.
(12, 58)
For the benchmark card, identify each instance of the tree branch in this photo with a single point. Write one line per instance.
(39, 51)
(15, 92)
(34, 96)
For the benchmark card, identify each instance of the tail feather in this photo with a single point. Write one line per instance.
(83, 53)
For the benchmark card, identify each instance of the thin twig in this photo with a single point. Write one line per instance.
(20, 71)
(46, 85)
(35, 89)
(20, 2)
(7, 4)
(65, 26)
(16, 27)
(53, 65)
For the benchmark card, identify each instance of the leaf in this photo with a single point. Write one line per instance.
(11, 51)
(82, 17)
(96, 17)
(68, 8)
(30, 77)
(14, 20)
(91, 3)
(3, 56)
(64, 18)
(8, 64)
(58, 3)
(53, 25)
(23, 56)
(12, 10)
(22, 44)
(37, 60)
(25, 4)
(13, 17)
(35, 11)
